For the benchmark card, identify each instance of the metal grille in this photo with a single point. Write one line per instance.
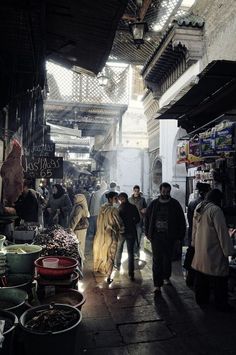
(68, 86)
(167, 9)
(158, 17)
(137, 83)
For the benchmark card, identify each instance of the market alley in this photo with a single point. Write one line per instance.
(124, 317)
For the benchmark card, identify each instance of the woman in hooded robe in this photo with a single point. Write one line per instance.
(213, 245)
(59, 206)
(78, 221)
(109, 229)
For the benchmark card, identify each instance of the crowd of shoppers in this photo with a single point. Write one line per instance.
(118, 222)
(164, 224)
(116, 219)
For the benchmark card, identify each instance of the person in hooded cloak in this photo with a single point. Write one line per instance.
(78, 221)
(213, 246)
(59, 206)
(109, 229)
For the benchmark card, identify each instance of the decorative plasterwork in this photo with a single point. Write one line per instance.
(192, 40)
(181, 46)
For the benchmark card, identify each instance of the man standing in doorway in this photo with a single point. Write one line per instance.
(140, 202)
(164, 224)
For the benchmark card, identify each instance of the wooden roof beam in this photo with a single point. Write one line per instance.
(130, 18)
(144, 9)
(142, 12)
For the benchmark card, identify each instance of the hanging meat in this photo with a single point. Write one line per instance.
(12, 174)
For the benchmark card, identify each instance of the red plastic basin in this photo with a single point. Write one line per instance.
(65, 267)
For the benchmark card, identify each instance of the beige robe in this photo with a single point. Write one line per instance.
(80, 210)
(109, 228)
(211, 240)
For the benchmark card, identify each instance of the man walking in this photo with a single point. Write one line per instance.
(94, 206)
(130, 217)
(140, 202)
(113, 188)
(164, 224)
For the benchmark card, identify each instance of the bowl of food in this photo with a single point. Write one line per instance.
(63, 269)
(66, 296)
(20, 258)
(21, 281)
(50, 329)
(13, 300)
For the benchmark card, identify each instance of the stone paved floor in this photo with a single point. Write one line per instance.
(125, 318)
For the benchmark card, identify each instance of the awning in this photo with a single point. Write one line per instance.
(81, 32)
(73, 33)
(212, 96)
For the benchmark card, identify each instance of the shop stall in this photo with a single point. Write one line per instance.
(43, 270)
(210, 157)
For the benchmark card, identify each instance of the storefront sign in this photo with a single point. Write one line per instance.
(224, 137)
(207, 141)
(45, 150)
(182, 152)
(194, 151)
(43, 167)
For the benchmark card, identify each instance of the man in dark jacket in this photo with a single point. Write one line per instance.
(29, 204)
(164, 224)
(130, 217)
(139, 201)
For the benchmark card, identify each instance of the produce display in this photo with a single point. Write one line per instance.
(57, 241)
(52, 320)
